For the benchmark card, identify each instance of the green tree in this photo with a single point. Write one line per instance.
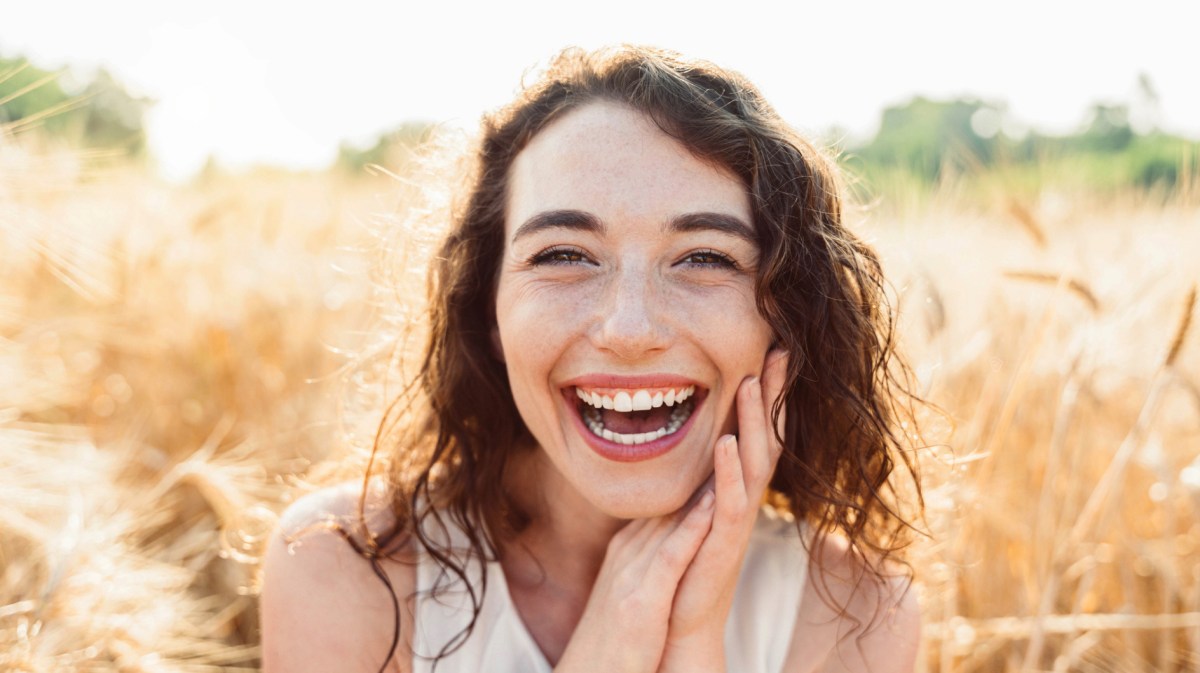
(103, 115)
(30, 93)
(922, 135)
(1107, 129)
(111, 117)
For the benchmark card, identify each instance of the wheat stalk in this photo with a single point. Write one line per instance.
(1020, 628)
(1076, 286)
(1028, 222)
(1181, 327)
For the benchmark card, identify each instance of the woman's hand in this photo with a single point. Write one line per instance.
(743, 467)
(624, 626)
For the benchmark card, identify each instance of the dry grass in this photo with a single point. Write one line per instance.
(172, 358)
(1064, 506)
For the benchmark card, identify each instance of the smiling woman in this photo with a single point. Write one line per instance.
(660, 429)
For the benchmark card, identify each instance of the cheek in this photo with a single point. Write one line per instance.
(726, 320)
(533, 323)
(730, 329)
(534, 329)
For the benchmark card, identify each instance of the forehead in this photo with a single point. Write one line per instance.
(616, 163)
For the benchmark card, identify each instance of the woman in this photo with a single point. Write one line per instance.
(647, 321)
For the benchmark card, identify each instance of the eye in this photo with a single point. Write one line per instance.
(709, 258)
(559, 256)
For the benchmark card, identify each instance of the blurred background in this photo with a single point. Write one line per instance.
(214, 223)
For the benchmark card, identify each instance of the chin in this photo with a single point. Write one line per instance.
(653, 498)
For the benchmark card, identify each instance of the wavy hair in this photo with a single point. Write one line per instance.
(819, 286)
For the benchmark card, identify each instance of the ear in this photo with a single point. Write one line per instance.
(497, 347)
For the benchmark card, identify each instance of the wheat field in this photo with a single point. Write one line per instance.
(175, 361)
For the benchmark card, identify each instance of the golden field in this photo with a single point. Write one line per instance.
(174, 360)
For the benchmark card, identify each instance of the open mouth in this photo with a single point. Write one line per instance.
(636, 417)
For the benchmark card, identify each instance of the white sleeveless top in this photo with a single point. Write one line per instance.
(761, 620)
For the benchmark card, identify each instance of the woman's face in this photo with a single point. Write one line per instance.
(627, 278)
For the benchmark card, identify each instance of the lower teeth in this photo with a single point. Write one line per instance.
(595, 423)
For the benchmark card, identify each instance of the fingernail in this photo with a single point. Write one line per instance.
(706, 500)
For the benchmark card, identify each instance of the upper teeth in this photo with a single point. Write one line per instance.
(636, 400)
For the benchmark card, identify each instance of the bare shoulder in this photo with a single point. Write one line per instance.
(851, 621)
(323, 607)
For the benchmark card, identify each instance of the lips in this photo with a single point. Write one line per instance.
(629, 419)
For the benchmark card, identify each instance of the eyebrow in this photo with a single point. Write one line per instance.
(725, 224)
(583, 221)
(559, 219)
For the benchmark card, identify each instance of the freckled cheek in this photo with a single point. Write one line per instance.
(727, 324)
(727, 320)
(536, 331)
(545, 320)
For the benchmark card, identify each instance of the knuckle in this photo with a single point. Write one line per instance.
(736, 506)
(625, 581)
(635, 604)
(671, 557)
(696, 521)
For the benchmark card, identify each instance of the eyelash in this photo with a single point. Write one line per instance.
(557, 256)
(553, 256)
(719, 259)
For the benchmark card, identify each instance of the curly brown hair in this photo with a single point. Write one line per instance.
(820, 288)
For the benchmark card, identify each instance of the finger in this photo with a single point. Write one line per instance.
(754, 444)
(773, 379)
(708, 485)
(640, 533)
(680, 516)
(652, 528)
(730, 484)
(673, 556)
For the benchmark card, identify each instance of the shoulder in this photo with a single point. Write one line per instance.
(852, 621)
(323, 607)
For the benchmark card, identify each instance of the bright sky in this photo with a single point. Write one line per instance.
(270, 82)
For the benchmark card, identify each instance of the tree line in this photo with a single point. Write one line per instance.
(1118, 144)
(921, 142)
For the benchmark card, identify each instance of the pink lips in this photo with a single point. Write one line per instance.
(589, 381)
(630, 453)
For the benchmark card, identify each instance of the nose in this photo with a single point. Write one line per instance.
(633, 319)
